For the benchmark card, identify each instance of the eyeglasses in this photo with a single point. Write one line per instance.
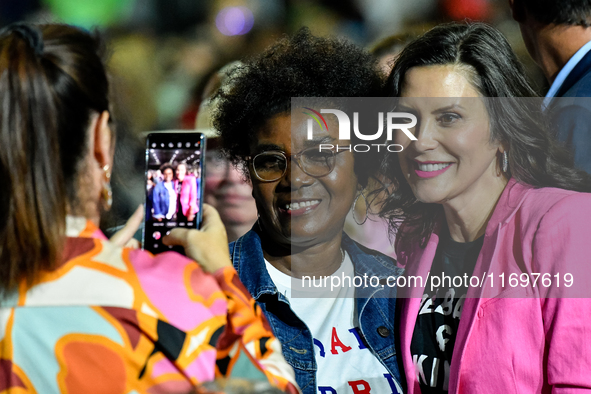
(272, 165)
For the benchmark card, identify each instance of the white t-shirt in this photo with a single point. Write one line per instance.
(171, 199)
(345, 364)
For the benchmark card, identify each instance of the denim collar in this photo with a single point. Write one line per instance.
(254, 275)
(257, 280)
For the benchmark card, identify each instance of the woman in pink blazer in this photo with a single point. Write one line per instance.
(186, 187)
(494, 224)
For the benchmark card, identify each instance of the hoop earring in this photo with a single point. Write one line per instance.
(505, 162)
(366, 209)
(107, 192)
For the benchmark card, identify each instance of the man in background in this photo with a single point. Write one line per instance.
(557, 34)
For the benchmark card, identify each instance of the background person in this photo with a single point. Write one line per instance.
(80, 313)
(150, 184)
(345, 342)
(226, 188)
(386, 49)
(557, 35)
(484, 190)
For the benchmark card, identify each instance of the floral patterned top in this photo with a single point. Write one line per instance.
(120, 320)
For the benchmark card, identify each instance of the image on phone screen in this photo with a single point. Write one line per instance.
(174, 186)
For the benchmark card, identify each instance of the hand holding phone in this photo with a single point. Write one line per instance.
(208, 246)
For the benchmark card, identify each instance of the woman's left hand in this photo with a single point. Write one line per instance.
(124, 237)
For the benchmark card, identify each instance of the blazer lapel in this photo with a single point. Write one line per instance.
(419, 264)
(508, 204)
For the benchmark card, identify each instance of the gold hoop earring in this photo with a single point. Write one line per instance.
(366, 209)
(107, 191)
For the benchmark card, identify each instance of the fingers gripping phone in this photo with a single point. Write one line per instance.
(174, 185)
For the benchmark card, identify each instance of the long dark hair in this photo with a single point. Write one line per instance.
(535, 158)
(51, 78)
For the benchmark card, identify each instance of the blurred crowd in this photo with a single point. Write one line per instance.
(165, 52)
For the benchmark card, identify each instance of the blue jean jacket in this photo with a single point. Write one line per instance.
(375, 307)
(160, 199)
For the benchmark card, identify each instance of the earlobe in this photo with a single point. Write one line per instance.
(100, 144)
(102, 138)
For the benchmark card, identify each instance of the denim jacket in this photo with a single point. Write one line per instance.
(375, 315)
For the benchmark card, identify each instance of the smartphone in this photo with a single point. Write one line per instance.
(174, 185)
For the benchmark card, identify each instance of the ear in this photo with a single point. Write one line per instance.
(518, 10)
(101, 139)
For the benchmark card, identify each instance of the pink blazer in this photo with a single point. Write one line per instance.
(188, 195)
(507, 342)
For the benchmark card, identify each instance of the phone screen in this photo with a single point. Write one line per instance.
(174, 185)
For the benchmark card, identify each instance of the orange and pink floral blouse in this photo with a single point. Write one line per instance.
(120, 320)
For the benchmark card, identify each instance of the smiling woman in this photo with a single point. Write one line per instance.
(453, 160)
(303, 207)
(485, 193)
(303, 196)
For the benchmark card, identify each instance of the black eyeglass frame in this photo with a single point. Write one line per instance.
(297, 157)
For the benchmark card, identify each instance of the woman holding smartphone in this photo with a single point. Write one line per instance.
(484, 192)
(80, 313)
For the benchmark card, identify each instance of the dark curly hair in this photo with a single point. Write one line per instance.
(299, 66)
(166, 166)
(535, 158)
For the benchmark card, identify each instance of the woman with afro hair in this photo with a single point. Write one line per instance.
(343, 341)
